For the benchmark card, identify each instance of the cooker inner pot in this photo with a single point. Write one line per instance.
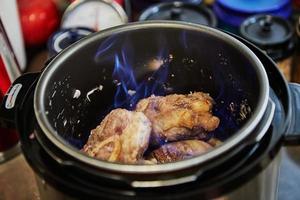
(100, 73)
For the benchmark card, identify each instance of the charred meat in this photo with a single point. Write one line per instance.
(122, 136)
(178, 117)
(167, 128)
(214, 142)
(180, 150)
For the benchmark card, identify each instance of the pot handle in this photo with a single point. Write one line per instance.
(292, 136)
(15, 97)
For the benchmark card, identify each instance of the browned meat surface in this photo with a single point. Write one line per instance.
(122, 136)
(214, 142)
(177, 117)
(177, 151)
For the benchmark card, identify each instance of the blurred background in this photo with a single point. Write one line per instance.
(34, 31)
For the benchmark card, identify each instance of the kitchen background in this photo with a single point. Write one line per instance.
(34, 31)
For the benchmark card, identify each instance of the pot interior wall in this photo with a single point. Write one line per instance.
(102, 73)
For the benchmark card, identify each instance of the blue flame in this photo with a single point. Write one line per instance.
(105, 47)
(129, 90)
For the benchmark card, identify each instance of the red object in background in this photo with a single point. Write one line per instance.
(296, 3)
(8, 72)
(8, 137)
(5, 82)
(39, 19)
(121, 2)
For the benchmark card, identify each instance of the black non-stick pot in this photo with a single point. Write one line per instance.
(56, 110)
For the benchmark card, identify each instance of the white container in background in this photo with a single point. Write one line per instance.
(10, 19)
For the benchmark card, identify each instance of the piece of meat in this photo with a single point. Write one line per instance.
(180, 150)
(123, 136)
(214, 142)
(177, 117)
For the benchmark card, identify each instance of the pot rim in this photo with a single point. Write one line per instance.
(230, 143)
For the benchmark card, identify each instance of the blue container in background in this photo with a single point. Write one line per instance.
(231, 13)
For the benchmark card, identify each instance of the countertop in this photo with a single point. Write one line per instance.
(17, 180)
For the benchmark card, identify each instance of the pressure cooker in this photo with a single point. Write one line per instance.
(55, 109)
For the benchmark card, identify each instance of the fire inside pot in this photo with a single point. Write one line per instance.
(157, 129)
(150, 123)
(151, 100)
